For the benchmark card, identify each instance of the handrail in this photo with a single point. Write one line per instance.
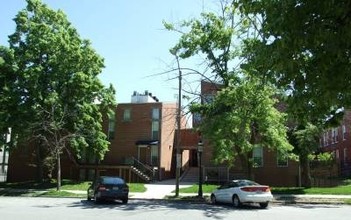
(143, 168)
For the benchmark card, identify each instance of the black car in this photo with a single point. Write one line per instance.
(108, 188)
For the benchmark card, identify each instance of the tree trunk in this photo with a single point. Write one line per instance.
(305, 171)
(58, 171)
(40, 165)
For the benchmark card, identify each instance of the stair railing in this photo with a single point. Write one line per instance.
(146, 170)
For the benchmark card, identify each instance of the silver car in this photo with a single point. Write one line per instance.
(237, 192)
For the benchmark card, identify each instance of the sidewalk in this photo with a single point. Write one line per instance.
(159, 190)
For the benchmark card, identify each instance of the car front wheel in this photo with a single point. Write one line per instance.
(213, 199)
(236, 201)
(263, 205)
(125, 200)
(96, 200)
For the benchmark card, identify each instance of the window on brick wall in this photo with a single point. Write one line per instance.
(333, 136)
(326, 138)
(257, 156)
(344, 132)
(156, 114)
(111, 127)
(336, 135)
(155, 130)
(155, 123)
(127, 115)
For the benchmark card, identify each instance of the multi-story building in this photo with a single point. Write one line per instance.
(141, 135)
(337, 140)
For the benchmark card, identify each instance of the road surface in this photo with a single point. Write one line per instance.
(29, 208)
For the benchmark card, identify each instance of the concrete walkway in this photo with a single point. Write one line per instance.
(159, 190)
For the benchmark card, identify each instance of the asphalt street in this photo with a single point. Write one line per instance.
(30, 208)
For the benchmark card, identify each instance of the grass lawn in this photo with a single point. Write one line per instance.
(338, 190)
(65, 185)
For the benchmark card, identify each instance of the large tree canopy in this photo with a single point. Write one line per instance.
(54, 83)
(243, 114)
(304, 47)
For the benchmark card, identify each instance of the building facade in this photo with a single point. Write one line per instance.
(337, 140)
(141, 135)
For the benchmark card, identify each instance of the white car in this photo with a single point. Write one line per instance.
(237, 192)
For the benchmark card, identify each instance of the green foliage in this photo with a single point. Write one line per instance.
(304, 48)
(306, 139)
(243, 114)
(52, 76)
(241, 117)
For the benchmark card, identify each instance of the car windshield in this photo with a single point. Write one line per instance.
(112, 180)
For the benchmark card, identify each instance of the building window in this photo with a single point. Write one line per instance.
(155, 130)
(154, 155)
(326, 138)
(111, 126)
(207, 98)
(126, 115)
(282, 160)
(344, 132)
(155, 123)
(155, 114)
(336, 135)
(257, 155)
(333, 136)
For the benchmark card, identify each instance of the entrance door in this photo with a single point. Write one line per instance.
(193, 158)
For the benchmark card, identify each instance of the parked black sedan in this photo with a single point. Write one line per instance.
(108, 188)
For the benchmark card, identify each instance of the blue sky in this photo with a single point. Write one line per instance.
(129, 35)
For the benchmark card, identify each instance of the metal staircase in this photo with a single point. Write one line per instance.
(143, 171)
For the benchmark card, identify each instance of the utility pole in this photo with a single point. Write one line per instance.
(179, 114)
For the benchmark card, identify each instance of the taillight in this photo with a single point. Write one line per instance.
(255, 189)
(101, 188)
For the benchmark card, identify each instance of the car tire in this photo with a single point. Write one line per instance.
(96, 200)
(263, 205)
(125, 200)
(236, 201)
(213, 199)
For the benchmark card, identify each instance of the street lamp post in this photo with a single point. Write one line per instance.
(200, 149)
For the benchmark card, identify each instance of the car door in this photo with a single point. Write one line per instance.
(220, 193)
(230, 191)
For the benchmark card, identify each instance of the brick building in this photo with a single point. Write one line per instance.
(338, 141)
(141, 135)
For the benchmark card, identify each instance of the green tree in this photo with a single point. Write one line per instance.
(60, 99)
(304, 48)
(242, 117)
(305, 140)
(243, 113)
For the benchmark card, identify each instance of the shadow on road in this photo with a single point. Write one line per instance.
(214, 211)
